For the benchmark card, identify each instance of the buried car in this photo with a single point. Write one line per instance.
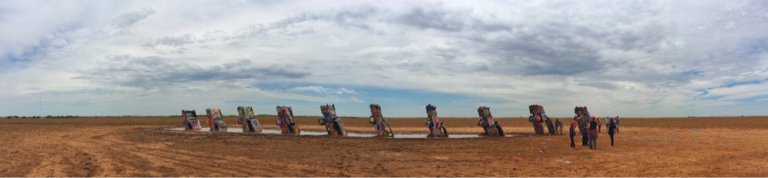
(489, 124)
(248, 120)
(286, 121)
(379, 123)
(537, 117)
(435, 125)
(190, 121)
(331, 122)
(216, 120)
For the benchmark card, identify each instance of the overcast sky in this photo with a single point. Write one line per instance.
(628, 58)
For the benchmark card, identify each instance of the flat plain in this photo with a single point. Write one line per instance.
(144, 146)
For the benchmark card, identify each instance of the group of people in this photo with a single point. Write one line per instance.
(589, 128)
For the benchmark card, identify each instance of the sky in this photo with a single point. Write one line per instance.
(628, 58)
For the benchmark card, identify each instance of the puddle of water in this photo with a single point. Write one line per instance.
(349, 134)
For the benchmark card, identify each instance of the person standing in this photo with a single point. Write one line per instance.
(611, 129)
(572, 132)
(618, 124)
(558, 127)
(592, 134)
(583, 130)
(599, 125)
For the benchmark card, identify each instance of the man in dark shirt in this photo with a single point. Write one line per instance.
(611, 129)
(592, 134)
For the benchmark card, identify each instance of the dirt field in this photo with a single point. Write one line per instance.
(142, 146)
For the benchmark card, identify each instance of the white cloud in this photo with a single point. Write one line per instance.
(316, 89)
(643, 58)
(321, 89)
(740, 92)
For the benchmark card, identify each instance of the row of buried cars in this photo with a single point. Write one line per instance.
(247, 120)
(334, 127)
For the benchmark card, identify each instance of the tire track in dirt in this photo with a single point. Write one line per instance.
(65, 160)
(17, 159)
(121, 158)
(342, 165)
(47, 166)
(129, 158)
(82, 165)
(93, 152)
(287, 165)
(153, 156)
(202, 164)
(122, 163)
(185, 161)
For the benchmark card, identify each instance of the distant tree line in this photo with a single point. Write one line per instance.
(40, 117)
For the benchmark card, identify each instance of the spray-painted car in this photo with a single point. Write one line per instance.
(248, 120)
(216, 120)
(581, 111)
(331, 122)
(286, 122)
(379, 123)
(488, 123)
(435, 125)
(538, 116)
(190, 121)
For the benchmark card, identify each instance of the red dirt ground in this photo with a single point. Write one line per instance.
(142, 146)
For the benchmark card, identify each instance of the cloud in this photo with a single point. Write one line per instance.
(428, 19)
(753, 90)
(543, 53)
(448, 20)
(352, 17)
(323, 90)
(154, 72)
(172, 41)
(639, 58)
(316, 89)
(129, 19)
(27, 35)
